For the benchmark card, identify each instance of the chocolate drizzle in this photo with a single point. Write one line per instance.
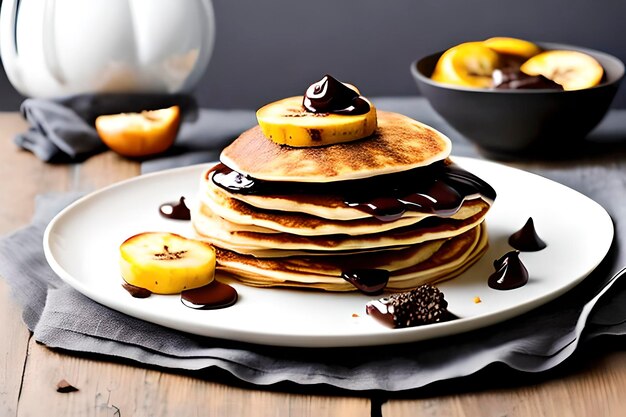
(210, 297)
(330, 95)
(440, 188)
(526, 239)
(510, 272)
(175, 211)
(368, 281)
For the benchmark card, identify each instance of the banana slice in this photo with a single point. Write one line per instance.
(166, 263)
(139, 134)
(512, 46)
(287, 122)
(469, 64)
(573, 70)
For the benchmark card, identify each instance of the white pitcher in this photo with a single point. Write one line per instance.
(53, 48)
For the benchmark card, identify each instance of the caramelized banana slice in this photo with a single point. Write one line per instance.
(287, 122)
(469, 64)
(166, 263)
(571, 69)
(512, 46)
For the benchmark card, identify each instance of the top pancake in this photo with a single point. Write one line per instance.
(399, 144)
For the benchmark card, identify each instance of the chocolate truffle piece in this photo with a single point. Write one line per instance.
(423, 305)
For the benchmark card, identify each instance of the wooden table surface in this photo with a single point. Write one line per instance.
(592, 384)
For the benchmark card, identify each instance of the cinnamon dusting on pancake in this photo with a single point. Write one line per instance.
(399, 144)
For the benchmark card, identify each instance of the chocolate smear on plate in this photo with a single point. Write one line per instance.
(175, 211)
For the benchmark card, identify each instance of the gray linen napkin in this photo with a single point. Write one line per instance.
(62, 318)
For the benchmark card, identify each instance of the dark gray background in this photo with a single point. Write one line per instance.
(269, 49)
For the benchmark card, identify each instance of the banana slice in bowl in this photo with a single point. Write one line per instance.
(469, 64)
(512, 46)
(572, 69)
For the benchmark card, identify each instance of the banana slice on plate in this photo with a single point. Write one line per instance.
(287, 122)
(512, 46)
(469, 64)
(166, 263)
(572, 69)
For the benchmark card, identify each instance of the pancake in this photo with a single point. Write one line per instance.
(333, 265)
(245, 215)
(399, 144)
(207, 228)
(431, 262)
(283, 253)
(327, 206)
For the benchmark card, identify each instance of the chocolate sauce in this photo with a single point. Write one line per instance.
(330, 95)
(368, 281)
(210, 297)
(510, 272)
(136, 292)
(511, 78)
(526, 239)
(440, 188)
(175, 211)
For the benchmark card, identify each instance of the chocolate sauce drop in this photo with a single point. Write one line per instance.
(510, 272)
(526, 239)
(440, 188)
(175, 211)
(136, 292)
(210, 297)
(511, 78)
(368, 281)
(330, 95)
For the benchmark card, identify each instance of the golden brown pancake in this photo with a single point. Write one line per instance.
(399, 144)
(331, 207)
(243, 214)
(431, 262)
(434, 228)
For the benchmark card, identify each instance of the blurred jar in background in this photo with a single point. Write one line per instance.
(54, 48)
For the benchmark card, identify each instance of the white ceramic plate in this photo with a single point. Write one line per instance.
(81, 244)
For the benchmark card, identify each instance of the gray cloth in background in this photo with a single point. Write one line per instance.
(62, 130)
(202, 139)
(60, 317)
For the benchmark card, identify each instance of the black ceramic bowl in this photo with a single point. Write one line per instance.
(522, 122)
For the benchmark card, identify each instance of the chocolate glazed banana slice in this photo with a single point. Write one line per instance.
(330, 112)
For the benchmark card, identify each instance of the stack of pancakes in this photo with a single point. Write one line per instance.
(305, 217)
